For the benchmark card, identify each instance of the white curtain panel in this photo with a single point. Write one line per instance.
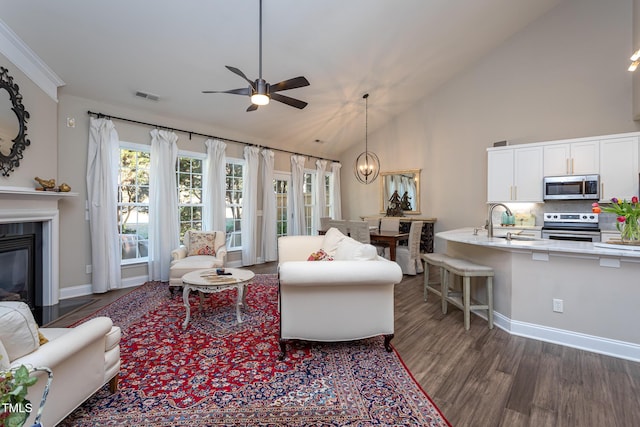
(320, 196)
(249, 219)
(269, 235)
(336, 205)
(102, 189)
(164, 230)
(297, 195)
(214, 186)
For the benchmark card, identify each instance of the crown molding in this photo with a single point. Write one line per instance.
(28, 62)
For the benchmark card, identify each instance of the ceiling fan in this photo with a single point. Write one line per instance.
(260, 91)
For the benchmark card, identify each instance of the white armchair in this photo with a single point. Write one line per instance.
(200, 249)
(82, 359)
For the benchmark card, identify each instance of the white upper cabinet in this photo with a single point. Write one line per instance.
(577, 158)
(515, 175)
(619, 168)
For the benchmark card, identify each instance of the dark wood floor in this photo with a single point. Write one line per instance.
(485, 377)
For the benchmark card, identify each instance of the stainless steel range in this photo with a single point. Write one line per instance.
(582, 227)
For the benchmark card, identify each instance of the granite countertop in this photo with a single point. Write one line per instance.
(466, 235)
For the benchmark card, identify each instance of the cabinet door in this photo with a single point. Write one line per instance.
(556, 159)
(577, 158)
(585, 158)
(618, 168)
(528, 172)
(499, 175)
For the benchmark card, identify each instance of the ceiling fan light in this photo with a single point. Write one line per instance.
(259, 99)
(636, 55)
(633, 65)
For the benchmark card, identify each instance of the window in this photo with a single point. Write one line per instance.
(309, 200)
(133, 202)
(189, 176)
(281, 185)
(233, 201)
(328, 193)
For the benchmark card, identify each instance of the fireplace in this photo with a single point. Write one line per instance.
(21, 261)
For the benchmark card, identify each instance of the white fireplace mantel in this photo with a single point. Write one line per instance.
(41, 207)
(26, 193)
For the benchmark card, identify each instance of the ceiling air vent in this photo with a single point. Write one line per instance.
(148, 96)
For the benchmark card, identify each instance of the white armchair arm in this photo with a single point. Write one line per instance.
(179, 253)
(58, 350)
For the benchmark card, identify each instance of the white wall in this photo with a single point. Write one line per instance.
(563, 76)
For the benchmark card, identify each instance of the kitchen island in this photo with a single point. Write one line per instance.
(597, 289)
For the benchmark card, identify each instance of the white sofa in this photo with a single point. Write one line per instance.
(82, 359)
(189, 256)
(348, 298)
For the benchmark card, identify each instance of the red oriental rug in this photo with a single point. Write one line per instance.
(220, 373)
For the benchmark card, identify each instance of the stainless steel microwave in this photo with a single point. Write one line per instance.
(571, 187)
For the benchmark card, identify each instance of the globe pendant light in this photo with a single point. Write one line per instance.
(367, 166)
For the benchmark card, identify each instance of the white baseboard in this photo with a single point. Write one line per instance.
(606, 346)
(84, 290)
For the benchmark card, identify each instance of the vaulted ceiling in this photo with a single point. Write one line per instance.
(398, 51)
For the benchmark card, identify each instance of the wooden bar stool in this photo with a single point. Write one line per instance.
(435, 260)
(467, 270)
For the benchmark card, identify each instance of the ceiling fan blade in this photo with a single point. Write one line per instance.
(293, 83)
(240, 73)
(241, 91)
(252, 107)
(288, 100)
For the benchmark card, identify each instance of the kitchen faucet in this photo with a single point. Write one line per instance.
(490, 222)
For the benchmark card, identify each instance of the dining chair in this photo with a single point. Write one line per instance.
(359, 230)
(324, 223)
(339, 224)
(409, 256)
(390, 224)
(374, 223)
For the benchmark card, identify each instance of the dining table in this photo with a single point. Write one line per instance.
(390, 238)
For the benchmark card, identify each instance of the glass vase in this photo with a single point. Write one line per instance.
(630, 231)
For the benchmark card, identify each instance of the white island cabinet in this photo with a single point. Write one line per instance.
(597, 287)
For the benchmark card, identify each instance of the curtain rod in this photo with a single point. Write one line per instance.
(190, 133)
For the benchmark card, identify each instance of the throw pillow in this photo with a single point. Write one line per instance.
(18, 329)
(320, 256)
(202, 243)
(332, 239)
(41, 338)
(352, 250)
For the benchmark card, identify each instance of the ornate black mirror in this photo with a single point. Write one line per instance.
(13, 128)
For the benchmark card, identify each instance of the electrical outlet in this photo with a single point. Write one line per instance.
(88, 268)
(558, 305)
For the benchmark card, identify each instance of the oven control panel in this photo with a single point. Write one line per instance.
(588, 218)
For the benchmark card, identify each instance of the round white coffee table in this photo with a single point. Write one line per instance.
(206, 281)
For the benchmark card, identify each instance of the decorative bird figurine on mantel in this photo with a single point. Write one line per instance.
(47, 184)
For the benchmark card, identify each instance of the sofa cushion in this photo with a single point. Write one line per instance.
(320, 255)
(351, 250)
(332, 239)
(18, 329)
(202, 243)
(185, 265)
